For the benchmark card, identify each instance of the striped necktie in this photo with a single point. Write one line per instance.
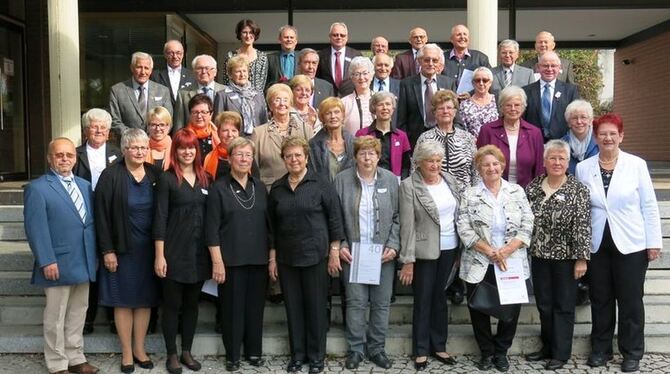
(76, 197)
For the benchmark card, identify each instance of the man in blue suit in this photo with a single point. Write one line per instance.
(58, 216)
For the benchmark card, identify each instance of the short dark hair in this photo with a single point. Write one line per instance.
(200, 99)
(247, 23)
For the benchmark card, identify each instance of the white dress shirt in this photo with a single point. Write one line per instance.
(175, 77)
(446, 206)
(96, 161)
(366, 209)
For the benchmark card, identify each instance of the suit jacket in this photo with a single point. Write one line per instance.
(566, 74)
(522, 76)
(404, 65)
(420, 218)
(56, 233)
(187, 80)
(454, 69)
(325, 71)
(275, 72)
(125, 110)
(630, 206)
(82, 169)
(564, 94)
(410, 104)
(322, 90)
(181, 113)
(227, 99)
(394, 86)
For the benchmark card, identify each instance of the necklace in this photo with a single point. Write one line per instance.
(559, 183)
(608, 162)
(242, 201)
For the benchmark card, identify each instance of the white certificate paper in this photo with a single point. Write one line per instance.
(511, 283)
(366, 266)
(210, 287)
(465, 84)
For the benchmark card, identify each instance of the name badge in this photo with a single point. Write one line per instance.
(397, 143)
(234, 97)
(382, 190)
(111, 158)
(158, 98)
(204, 191)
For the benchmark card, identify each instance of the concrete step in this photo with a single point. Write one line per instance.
(15, 256)
(11, 213)
(17, 283)
(11, 196)
(12, 231)
(29, 339)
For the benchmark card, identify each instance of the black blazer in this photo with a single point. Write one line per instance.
(410, 104)
(564, 94)
(322, 90)
(186, 81)
(82, 168)
(111, 206)
(324, 70)
(275, 73)
(454, 69)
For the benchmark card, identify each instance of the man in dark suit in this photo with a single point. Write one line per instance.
(548, 98)
(415, 113)
(205, 72)
(379, 45)
(129, 101)
(174, 76)
(460, 57)
(58, 219)
(406, 64)
(283, 65)
(508, 73)
(308, 62)
(334, 60)
(545, 42)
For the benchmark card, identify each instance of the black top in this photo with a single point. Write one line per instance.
(179, 222)
(223, 169)
(237, 221)
(83, 169)
(206, 145)
(306, 220)
(111, 206)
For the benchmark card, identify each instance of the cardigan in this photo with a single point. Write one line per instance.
(319, 154)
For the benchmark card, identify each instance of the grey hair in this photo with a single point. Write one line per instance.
(240, 142)
(547, 55)
(578, 106)
(288, 27)
(133, 135)
(485, 70)
(172, 41)
(426, 150)
(556, 145)
(141, 56)
(509, 93)
(509, 43)
(379, 97)
(338, 24)
(434, 46)
(360, 62)
(211, 60)
(382, 55)
(305, 51)
(96, 114)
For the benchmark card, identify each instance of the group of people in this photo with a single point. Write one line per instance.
(273, 178)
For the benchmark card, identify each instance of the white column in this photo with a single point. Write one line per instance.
(63, 19)
(483, 25)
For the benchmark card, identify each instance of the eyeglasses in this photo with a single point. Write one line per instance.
(205, 69)
(550, 66)
(370, 154)
(137, 149)
(157, 125)
(435, 60)
(481, 80)
(294, 155)
(280, 100)
(202, 112)
(360, 74)
(243, 155)
(557, 159)
(338, 35)
(64, 155)
(420, 37)
(583, 118)
(98, 128)
(173, 53)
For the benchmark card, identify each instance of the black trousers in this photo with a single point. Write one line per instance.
(491, 345)
(617, 280)
(305, 292)
(430, 325)
(555, 295)
(179, 297)
(242, 298)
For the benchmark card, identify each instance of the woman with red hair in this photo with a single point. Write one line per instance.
(182, 260)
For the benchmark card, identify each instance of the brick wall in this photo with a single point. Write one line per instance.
(642, 96)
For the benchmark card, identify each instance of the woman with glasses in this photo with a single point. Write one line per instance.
(158, 125)
(124, 209)
(201, 124)
(247, 32)
(481, 107)
(357, 104)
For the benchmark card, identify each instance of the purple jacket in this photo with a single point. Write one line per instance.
(529, 148)
(399, 145)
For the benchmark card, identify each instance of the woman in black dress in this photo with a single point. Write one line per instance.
(238, 236)
(182, 259)
(124, 207)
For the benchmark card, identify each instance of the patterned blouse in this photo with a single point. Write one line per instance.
(258, 70)
(474, 116)
(562, 222)
(459, 150)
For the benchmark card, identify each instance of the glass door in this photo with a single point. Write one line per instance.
(13, 134)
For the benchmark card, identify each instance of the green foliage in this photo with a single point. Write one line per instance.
(588, 76)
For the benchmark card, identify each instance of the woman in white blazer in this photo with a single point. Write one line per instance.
(626, 229)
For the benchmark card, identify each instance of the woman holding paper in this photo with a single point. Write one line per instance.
(369, 198)
(429, 244)
(495, 223)
(560, 248)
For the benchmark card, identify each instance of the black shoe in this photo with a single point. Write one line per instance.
(554, 364)
(420, 366)
(381, 360)
(537, 356)
(294, 366)
(598, 359)
(485, 363)
(187, 360)
(353, 360)
(256, 361)
(276, 299)
(445, 360)
(500, 362)
(148, 364)
(629, 365)
(88, 328)
(232, 365)
(176, 369)
(582, 297)
(316, 367)
(456, 298)
(127, 368)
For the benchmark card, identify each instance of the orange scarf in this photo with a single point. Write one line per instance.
(163, 145)
(212, 159)
(204, 132)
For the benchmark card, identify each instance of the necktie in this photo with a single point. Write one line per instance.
(142, 102)
(208, 91)
(427, 104)
(508, 77)
(338, 69)
(546, 107)
(287, 67)
(417, 66)
(381, 86)
(76, 198)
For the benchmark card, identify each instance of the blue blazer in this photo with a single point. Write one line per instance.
(56, 233)
(591, 150)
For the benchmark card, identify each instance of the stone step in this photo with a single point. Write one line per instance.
(12, 231)
(29, 339)
(11, 213)
(11, 196)
(17, 283)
